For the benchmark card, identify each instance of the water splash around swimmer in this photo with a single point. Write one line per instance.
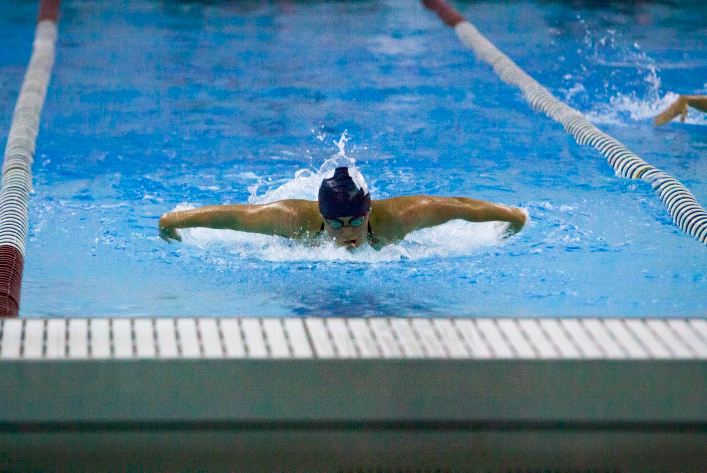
(305, 184)
(452, 239)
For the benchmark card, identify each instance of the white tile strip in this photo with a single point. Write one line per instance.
(450, 338)
(386, 338)
(428, 337)
(276, 338)
(11, 342)
(254, 339)
(78, 339)
(364, 338)
(474, 340)
(122, 338)
(145, 346)
(699, 346)
(540, 342)
(299, 343)
(492, 336)
(210, 339)
(320, 338)
(516, 339)
(656, 348)
(700, 326)
(166, 338)
(188, 338)
(232, 338)
(663, 331)
(100, 338)
(34, 339)
(581, 338)
(344, 345)
(603, 338)
(625, 338)
(57, 339)
(411, 345)
(556, 333)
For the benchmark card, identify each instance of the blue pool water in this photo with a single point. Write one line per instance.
(156, 105)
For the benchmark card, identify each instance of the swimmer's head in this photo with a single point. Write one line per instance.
(344, 202)
(344, 193)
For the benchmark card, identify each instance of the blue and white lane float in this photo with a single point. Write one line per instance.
(16, 183)
(684, 209)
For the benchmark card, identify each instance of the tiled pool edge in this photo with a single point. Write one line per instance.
(611, 391)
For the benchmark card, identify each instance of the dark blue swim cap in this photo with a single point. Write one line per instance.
(344, 193)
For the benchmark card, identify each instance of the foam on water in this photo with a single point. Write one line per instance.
(455, 238)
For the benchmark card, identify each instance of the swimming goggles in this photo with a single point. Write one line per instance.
(336, 223)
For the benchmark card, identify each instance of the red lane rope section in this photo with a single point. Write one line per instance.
(447, 14)
(49, 10)
(11, 266)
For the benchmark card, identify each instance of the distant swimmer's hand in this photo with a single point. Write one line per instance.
(168, 232)
(679, 107)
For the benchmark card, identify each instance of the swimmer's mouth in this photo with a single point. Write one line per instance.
(350, 245)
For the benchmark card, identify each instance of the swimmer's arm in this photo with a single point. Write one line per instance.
(287, 218)
(416, 212)
(679, 107)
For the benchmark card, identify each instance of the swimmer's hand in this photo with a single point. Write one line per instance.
(512, 229)
(517, 224)
(168, 232)
(679, 107)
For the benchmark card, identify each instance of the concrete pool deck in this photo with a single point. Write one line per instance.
(354, 393)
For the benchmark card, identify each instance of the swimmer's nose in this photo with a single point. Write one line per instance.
(346, 233)
(348, 236)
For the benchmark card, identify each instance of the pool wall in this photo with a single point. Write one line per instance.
(607, 394)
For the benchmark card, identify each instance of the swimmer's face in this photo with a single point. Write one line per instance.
(345, 231)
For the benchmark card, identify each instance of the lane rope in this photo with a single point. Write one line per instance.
(684, 209)
(16, 182)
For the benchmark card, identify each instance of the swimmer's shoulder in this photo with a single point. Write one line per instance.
(306, 207)
(305, 220)
(388, 216)
(394, 207)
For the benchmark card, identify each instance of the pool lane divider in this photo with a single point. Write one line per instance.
(16, 183)
(684, 209)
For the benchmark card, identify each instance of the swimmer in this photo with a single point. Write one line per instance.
(344, 212)
(679, 107)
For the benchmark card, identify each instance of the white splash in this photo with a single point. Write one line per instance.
(453, 239)
(629, 108)
(305, 184)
